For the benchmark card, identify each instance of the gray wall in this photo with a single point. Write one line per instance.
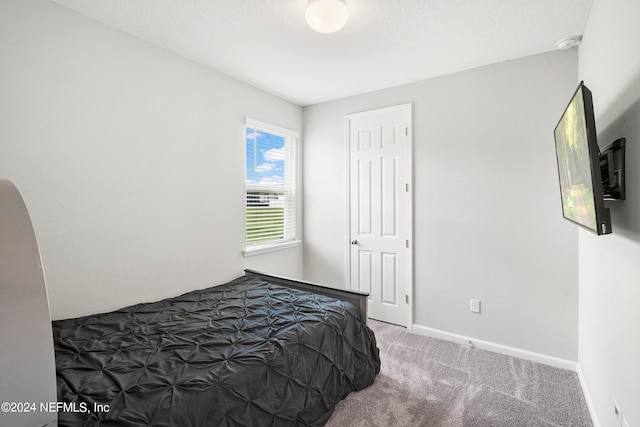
(129, 158)
(609, 332)
(488, 222)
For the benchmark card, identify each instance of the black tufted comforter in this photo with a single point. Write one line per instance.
(247, 353)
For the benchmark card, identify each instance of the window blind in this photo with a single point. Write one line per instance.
(270, 185)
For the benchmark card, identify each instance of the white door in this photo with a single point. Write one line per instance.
(380, 211)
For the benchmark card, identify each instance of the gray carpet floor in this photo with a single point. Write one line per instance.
(429, 382)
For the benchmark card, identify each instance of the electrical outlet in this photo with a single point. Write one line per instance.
(475, 306)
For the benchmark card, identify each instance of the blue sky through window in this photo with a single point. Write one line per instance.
(265, 158)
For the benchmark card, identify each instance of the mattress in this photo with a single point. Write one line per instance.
(249, 352)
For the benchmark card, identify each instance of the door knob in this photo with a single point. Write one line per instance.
(354, 242)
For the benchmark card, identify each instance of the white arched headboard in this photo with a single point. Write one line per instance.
(27, 363)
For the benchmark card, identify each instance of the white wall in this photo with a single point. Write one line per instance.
(609, 331)
(130, 160)
(488, 221)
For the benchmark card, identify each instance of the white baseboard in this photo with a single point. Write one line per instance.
(497, 348)
(587, 397)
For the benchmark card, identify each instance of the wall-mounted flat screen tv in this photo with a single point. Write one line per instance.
(579, 165)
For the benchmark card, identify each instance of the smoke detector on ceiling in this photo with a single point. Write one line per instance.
(568, 42)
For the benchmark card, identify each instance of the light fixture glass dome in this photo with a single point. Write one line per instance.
(326, 16)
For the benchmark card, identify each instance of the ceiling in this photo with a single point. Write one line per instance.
(385, 43)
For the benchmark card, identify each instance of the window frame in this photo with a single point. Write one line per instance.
(291, 141)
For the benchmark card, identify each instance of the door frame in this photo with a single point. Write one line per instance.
(408, 110)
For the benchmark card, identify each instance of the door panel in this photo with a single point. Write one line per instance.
(389, 196)
(389, 279)
(389, 134)
(380, 210)
(364, 197)
(364, 139)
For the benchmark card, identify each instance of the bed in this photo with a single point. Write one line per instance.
(257, 351)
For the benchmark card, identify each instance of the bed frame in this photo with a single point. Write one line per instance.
(357, 298)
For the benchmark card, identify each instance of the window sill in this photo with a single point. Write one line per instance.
(262, 249)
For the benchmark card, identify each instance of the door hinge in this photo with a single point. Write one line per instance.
(406, 188)
(406, 131)
(406, 243)
(406, 299)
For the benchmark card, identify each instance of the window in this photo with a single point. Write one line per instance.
(270, 185)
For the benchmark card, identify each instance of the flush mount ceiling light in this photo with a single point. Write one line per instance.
(326, 16)
(568, 42)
